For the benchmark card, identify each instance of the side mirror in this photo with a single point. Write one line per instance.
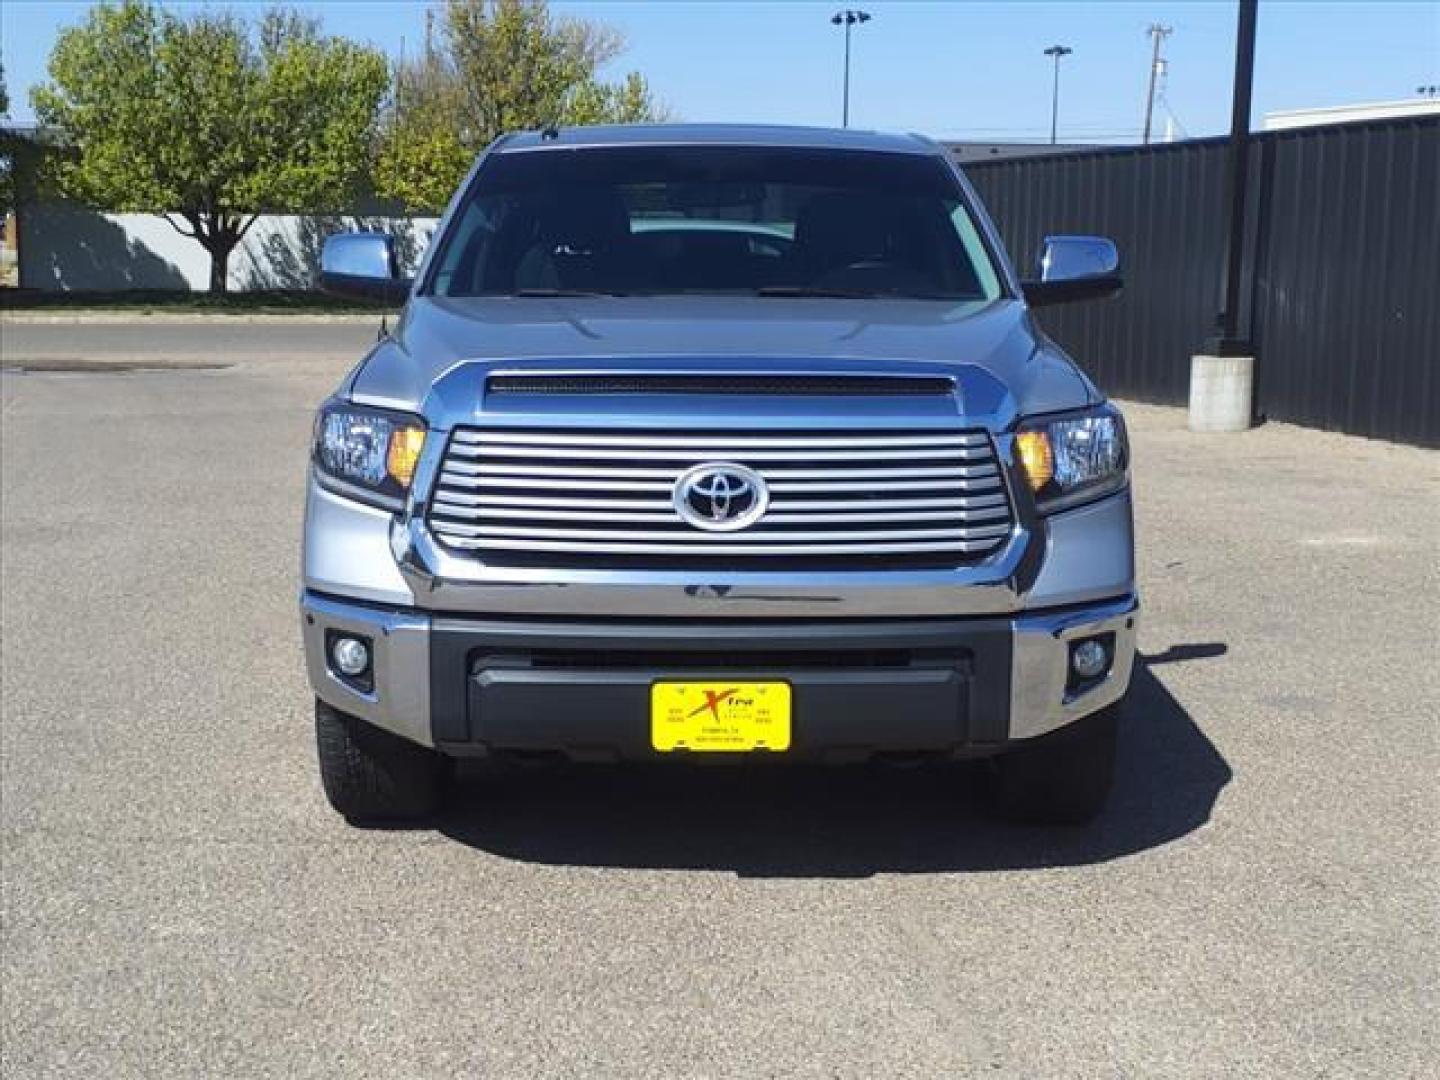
(1075, 268)
(362, 266)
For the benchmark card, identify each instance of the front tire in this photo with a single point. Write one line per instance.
(1062, 779)
(373, 777)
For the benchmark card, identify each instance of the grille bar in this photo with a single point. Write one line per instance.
(814, 442)
(667, 516)
(791, 550)
(713, 539)
(461, 470)
(590, 498)
(988, 482)
(446, 501)
(718, 452)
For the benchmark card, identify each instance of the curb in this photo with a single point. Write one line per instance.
(75, 318)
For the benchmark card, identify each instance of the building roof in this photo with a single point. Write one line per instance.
(1337, 114)
(718, 135)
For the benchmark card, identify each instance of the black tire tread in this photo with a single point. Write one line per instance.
(373, 777)
(1064, 778)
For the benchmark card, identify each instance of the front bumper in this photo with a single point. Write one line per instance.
(860, 686)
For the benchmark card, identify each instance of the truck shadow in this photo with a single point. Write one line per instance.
(840, 822)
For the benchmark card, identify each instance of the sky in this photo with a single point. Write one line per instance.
(946, 68)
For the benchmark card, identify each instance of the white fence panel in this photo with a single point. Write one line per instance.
(66, 248)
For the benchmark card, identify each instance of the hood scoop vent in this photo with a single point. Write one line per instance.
(721, 383)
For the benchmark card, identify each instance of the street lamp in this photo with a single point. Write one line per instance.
(848, 19)
(1056, 51)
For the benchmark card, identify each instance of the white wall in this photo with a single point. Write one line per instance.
(68, 248)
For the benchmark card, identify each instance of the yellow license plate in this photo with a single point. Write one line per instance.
(720, 716)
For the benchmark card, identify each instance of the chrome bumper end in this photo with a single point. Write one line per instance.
(1039, 700)
(400, 651)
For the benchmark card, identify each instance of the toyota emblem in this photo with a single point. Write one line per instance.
(720, 496)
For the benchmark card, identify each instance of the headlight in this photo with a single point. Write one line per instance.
(367, 454)
(1074, 458)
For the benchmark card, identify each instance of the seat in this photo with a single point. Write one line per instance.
(862, 242)
(840, 228)
(583, 243)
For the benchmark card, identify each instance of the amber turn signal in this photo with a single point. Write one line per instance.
(1036, 458)
(404, 454)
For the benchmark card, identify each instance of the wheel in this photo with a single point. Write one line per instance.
(374, 777)
(1064, 778)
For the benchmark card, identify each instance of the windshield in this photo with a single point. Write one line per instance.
(714, 220)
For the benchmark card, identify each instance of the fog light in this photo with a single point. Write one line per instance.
(1089, 659)
(351, 656)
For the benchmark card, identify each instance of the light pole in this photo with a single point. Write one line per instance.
(848, 19)
(1057, 51)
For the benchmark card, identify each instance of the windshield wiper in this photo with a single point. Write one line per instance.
(561, 292)
(808, 291)
(855, 294)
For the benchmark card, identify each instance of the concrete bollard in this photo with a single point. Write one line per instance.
(1221, 393)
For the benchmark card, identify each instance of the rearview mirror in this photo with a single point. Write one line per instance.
(362, 266)
(1075, 268)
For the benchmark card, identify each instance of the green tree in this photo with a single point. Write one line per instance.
(496, 66)
(7, 153)
(208, 120)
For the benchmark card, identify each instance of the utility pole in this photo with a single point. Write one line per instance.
(1057, 51)
(1157, 34)
(848, 19)
(1228, 339)
(1222, 378)
(399, 77)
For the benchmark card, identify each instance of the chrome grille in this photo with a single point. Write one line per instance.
(595, 498)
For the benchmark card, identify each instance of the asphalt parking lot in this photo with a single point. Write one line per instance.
(1261, 898)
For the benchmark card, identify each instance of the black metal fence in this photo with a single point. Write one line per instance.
(1341, 283)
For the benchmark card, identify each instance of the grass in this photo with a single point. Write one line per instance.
(141, 301)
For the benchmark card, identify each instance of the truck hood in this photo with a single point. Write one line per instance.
(1003, 366)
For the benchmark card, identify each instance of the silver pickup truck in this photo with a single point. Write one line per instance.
(721, 443)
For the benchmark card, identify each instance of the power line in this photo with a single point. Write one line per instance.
(1170, 112)
(1162, 98)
